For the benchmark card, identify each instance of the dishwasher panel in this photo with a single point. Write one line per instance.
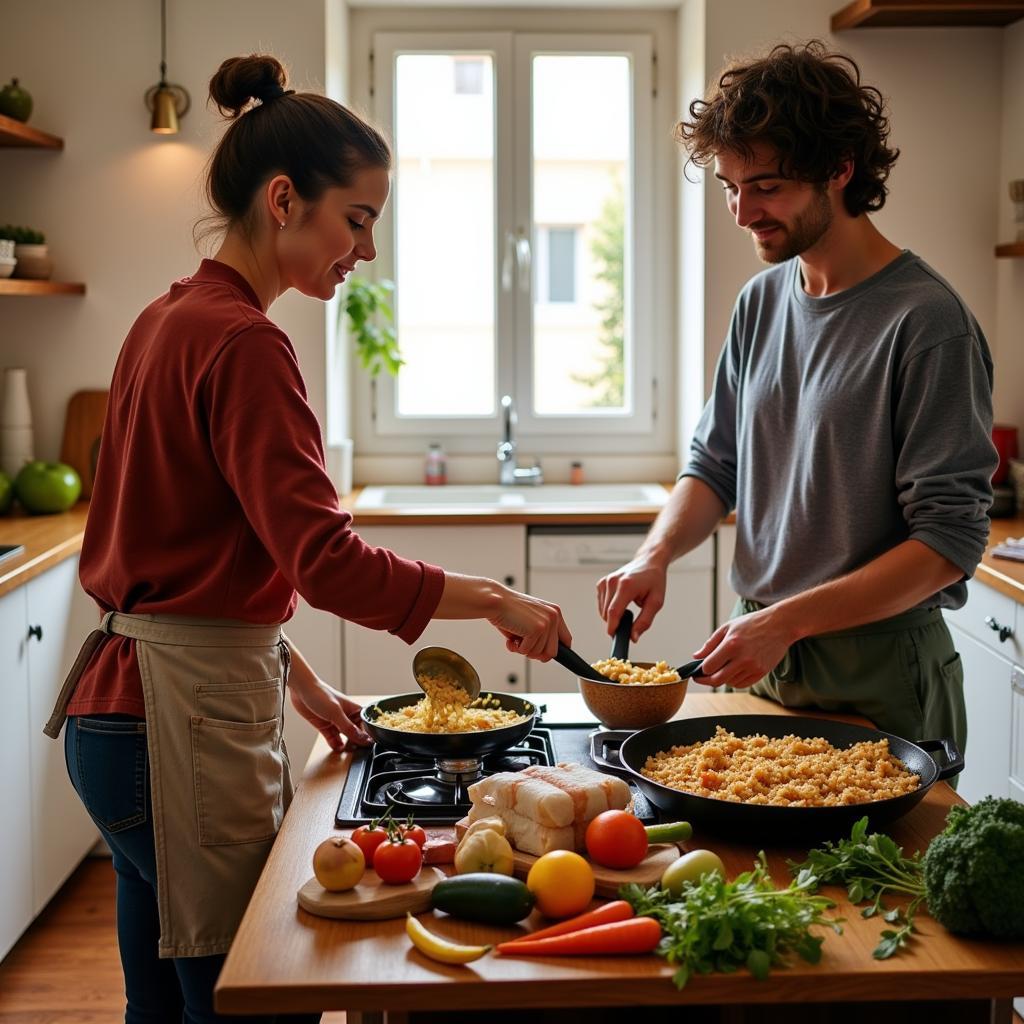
(564, 565)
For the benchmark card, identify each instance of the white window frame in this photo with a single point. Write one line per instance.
(378, 428)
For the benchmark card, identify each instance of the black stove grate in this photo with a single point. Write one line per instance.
(378, 778)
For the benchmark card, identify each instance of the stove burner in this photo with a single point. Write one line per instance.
(459, 769)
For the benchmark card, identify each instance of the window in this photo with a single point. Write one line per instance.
(520, 239)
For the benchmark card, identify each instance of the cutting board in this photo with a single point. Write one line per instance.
(82, 426)
(372, 899)
(606, 880)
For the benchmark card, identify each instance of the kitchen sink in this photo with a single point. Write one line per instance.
(495, 496)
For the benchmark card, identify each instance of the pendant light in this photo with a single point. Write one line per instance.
(168, 102)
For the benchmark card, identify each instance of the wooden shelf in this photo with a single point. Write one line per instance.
(15, 134)
(927, 14)
(1010, 250)
(18, 286)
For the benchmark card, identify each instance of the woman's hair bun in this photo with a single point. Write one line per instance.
(240, 80)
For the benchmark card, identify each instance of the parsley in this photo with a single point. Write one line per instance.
(715, 925)
(871, 867)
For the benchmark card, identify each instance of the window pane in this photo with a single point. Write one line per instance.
(581, 171)
(444, 213)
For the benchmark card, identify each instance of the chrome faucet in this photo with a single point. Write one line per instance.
(508, 472)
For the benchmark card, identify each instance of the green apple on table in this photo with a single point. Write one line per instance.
(6, 493)
(44, 487)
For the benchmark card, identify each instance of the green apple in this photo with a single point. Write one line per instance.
(6, 493)
(47, 486)
(15, 102)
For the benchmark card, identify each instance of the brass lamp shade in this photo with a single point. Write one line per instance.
(168, 103)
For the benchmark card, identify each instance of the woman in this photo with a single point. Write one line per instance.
(211, 509)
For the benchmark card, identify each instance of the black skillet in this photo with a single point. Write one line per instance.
(450, 744)
(568, 658)
(759, 823)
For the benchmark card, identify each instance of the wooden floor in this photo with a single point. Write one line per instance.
(65, 969)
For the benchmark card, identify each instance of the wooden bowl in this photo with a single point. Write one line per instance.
(632, 706)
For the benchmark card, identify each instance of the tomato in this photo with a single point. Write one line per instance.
(616, 839)
(689, 868)
(415, 833)
(397, 862)
(368, 838)
(562, 882)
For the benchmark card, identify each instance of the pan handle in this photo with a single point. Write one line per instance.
(620, 647)
(568, 658)
(602, 738)
(954, 759)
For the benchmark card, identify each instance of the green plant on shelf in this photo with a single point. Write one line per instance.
(365, 304)
(22, 236)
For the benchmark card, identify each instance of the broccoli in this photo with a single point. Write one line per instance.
(974, 870)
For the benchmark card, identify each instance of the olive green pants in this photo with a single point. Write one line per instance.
(902, 673)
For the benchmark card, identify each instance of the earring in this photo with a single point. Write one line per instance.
(281, 226)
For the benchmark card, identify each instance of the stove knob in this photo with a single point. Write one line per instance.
(513, 679)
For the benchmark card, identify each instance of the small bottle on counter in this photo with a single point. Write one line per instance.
(575, 472)
(435, 466)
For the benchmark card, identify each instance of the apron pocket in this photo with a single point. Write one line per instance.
(253, 700)
(111, 759)
(238, 772)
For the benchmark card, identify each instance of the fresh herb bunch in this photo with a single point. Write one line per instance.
(715, 925)
(871, 867)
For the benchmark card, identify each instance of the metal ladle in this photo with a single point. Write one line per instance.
(439, 661)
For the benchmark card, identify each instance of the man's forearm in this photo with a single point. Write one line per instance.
(690, 515)
(895, 581)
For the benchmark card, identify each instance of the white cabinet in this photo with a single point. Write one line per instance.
(42, 626)
(986, 633)
(377, 662)
(15, 794)
(60, 616)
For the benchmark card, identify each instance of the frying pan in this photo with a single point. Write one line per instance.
(450, 745)
(568, 658)
(760, 823)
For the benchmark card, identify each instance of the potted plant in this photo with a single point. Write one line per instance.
(31, 252)
(367, 317)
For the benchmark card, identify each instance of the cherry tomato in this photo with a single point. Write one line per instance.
(616, 839)
(415, 833)
(397, 862)
(368, 838)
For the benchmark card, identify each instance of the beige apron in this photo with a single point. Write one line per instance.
(220, 781)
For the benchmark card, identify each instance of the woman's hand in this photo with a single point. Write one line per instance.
(745, 649)
(330, 712)
(642, 582)
(530, 626)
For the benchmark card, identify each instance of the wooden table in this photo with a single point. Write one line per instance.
(285, 960)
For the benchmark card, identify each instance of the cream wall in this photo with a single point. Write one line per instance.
(119, 203)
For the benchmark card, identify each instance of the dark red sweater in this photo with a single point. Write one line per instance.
(211, 497)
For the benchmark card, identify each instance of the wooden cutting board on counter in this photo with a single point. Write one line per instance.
(372, 899)
(606, 880)
(82, 427)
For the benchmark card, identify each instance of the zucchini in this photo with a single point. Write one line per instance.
(482, 896)
(670, 832)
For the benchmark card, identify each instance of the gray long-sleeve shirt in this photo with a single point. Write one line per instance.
(841, 426)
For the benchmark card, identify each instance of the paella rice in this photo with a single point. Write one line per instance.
(445, 708)
(636, 675)
(789, 771)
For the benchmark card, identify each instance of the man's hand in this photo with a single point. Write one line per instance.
(744, 650)
(642, 582)
(330, 712)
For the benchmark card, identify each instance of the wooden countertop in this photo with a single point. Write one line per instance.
(1003, 574)
(285, 959)
(47, 540)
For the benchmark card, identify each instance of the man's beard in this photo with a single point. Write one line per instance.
(806, 230)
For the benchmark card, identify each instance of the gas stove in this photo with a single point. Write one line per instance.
(435, 792)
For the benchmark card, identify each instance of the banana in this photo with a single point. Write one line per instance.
(440, 949)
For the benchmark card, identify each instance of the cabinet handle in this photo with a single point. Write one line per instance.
(36, 632)
(512, 679)
(1005, 632)
(510, 581)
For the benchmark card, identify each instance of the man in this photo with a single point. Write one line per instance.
(849, 425)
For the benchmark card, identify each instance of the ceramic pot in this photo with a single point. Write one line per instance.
(33, 262)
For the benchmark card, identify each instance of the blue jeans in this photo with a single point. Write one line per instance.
(109, 768)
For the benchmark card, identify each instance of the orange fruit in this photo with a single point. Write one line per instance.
(562, 882)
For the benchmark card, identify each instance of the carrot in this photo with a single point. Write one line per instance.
(637, 935)
(607, 913)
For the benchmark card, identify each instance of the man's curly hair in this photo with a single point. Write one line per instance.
(808, 104)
